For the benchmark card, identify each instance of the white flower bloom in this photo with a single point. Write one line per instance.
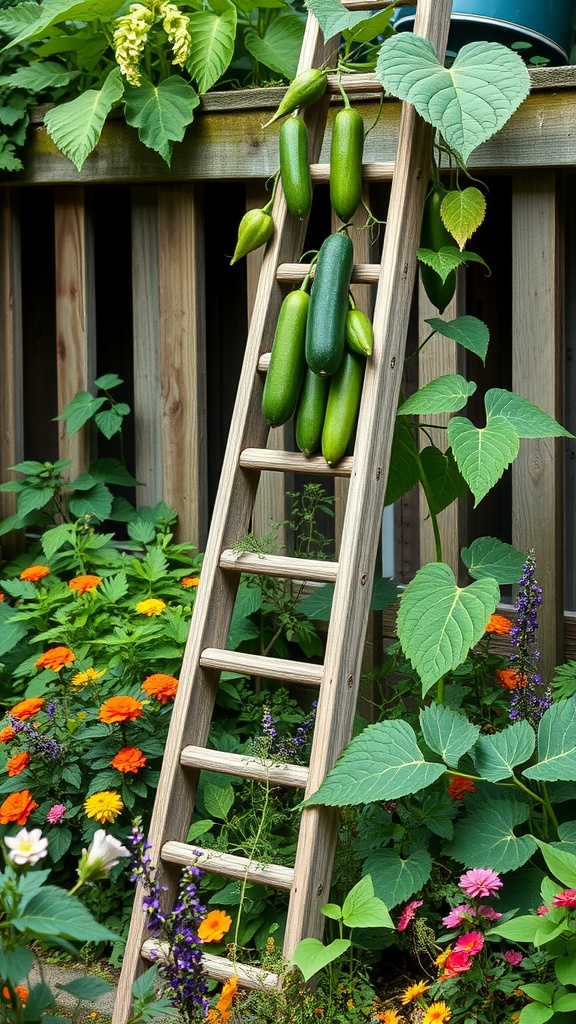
(26, 847)
(104, 853)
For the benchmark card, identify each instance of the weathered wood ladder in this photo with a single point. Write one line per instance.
(246, 456)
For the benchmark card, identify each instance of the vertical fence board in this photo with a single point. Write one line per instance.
(75, 313)
(146, 333)
(183, 356)
(537, 491)
(11, 443)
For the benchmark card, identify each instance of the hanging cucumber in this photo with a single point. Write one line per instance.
(433, 235)
(310, 413)
(346, 150)
(294, 166)
(329, 304)
(306, 88)
(287, 359)
(358, 331)
(342, 407)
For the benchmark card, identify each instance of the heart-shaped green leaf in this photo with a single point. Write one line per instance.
(311, 955)
(395, 878)
(488, 556)
(448, 393)
(161, 113)
(445, 482)
(486, 839)
(212, 46)
(496, 756)
(482, 454)
(362, 909)
(556, 745)
(447, 732)
(446, 259)
(467, 103)
(463, 212)
(468, 331)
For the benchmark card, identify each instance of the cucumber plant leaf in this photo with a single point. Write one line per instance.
(496, 756)
(439, 622)
(488, 556)
(51, 12)
(212, 46)
(279, 48)
(311, 955)
(527, 419)
(362, 909)
(486, 838)
(468, 102)
(333, 17)
(161, 113)
(482, 454)
(403, 472)
(560, 863)
(444, 480)
(446, 259)
(376, 25)
(463, 211)
(448, 393)
(556, 745)
(75, 127)
(468, 331)
(448, 733)
(396, 878)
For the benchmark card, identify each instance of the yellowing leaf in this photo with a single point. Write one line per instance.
(462, 212)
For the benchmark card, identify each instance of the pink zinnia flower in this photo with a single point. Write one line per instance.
(407, 914)
(458, 915)
(488, 912)
(56, 813)
(471, 942)
(480, 882)
(513, 956)
(543, 909)
(566, 898)
(456, 963)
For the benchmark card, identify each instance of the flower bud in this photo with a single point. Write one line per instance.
(104, 854)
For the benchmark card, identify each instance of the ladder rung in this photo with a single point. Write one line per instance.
(258, 665)
(247, 767)
(305, 569)
(229, 864)
(320, 173)
(293, 462)
(218, 967)
(362, 273)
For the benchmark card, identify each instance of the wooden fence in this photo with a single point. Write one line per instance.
(125, 268)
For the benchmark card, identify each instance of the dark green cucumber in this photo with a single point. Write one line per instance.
(311, 410)
(294, 166)
(342, 407)
(287, 360)
(434, 236)
(346, 149)
(329, 305)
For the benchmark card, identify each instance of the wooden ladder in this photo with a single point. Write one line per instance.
(246, 457)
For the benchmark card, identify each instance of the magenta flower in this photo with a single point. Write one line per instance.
(543, 909)
(407, 914)
(480, 882)
(56, 813)
(513, 956)
(458, 915)
(566, 898)
(488, 912)
(471, 942)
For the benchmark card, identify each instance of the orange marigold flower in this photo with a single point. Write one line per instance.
(190, 581)
(120, 709)
(459, 786)
(27, 708)
(510, 678)
(498, 624)
(7, 734)
(34, 573)
(17, 808)
(151, 606)
(84, 583)
(214, 926)
(18, 763)
(56, 658)
(21, 991)
(413, 992)
(160, 686)
(229, 990)
(129, 759)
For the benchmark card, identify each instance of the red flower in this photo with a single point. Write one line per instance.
(459, 786)
(566, 898)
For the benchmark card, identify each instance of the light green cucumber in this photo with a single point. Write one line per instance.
(287, 360)
(342, 407)
(294, 167)
(310, 413)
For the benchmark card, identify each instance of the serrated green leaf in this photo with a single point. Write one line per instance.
(527, 419)
(556, 745)
(218, 800)
(40, 75)
(448, 393)
(447, 732)
(468, 331)
(11, 632)
(468, 102)
(95, 502)
(488, 556)
(463, 212)
(333, 17)
(446, 259)
(383, 763)
(14, 20)
(439, 622)
(161, 113)
(445, 482)
(53, 540)
(79, 411)
(311, 955)
(496, 756)
(33, 499)
(486, 839)
(362, 909)
(109, 422)
(280, 46)
(51, 12)
(395, 878)
(403, 473)
(377, 25)
(111, 471)
(482, 453)
(15, 964)
(76, 126)
(54, 912)
(561, 863)
(212, 47)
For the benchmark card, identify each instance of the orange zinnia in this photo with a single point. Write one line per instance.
(160, 686)
(510, 678)
(190, 581)
(84, 583)
(129, 759)
(34, 573)
(17, 808)
(21, 991)
(18, 763)
(459, 786)
(214, 926)
(7, 734)
(498, 624)
(120, 709)
(56, 658)
(27, 708)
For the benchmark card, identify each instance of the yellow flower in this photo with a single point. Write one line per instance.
(129, 40)
(89, 676)
(437, 1013)
(177, 28)
(151, 606)
(413, 992)
(104, 806)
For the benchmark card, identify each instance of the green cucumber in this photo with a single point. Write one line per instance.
(287, 361)
(342, 407)
(359, 333)
(311, 410)
(306, 88)
(346, 149)
(294, 167)
(434, 235)
(329, 305)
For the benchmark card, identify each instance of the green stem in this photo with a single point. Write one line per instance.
(253, 850)
(440, 691)
(546, 803)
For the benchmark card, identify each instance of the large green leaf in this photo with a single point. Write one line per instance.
(396, 878)
(161, 113)
(496, 756)
(403, 473)
(486, 838)
(40, 75)
(311, 955)
(51, 12)
(76, 126)
(54, 912)
(362, 909)
(333, 17)
(468, 331)
(448, 393)
(94, 502)
(556, 745)
(439, 622)
(527, 419)
(318, 604)
(482, 454)
(11, 632)
(560, 863)
(383, 763)
(445, 482)
(280, 46)
(468, 102)
(488, 556)
(447, 732)
(212, 47)
(446, 259)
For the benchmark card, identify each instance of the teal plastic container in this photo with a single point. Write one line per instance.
(547, 25)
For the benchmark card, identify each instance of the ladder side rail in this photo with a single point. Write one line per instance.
(361, 529)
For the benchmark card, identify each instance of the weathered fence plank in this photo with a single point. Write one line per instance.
(12, 426)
